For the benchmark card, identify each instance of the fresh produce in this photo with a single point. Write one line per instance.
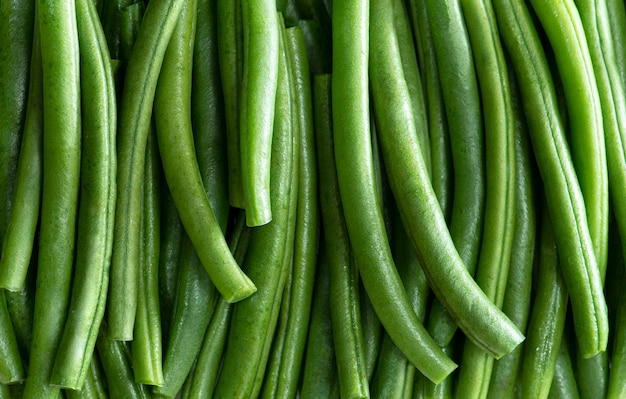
(312, 198)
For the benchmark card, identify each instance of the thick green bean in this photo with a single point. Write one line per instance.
(61, 161)
(617, 22)
(11, 368)
(258, 93)
(93, 388)
(18, 235)
(20, 305)
(172, 110)
(97, 203)
(269, 254)
(564, 197)
(230, 49)
(564, 29)
(130, 22)
(476, 314)
(142, 73)
(110, 16)
(146, 349)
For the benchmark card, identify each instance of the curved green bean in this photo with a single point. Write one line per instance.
(97, 203)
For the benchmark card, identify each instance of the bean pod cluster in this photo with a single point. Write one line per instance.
(312, 198)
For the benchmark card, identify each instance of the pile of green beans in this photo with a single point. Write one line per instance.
(312, 199)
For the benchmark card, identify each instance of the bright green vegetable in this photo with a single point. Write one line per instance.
(61, 162)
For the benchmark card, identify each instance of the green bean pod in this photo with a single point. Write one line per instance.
(258, 93)
(473, 310)
(93, 388)
(208, 363)
(142, 73)
(305, 250)
(111, 24)
(130, 22)
(61, 162)
(20, 305)
(463, 112)
(230, 49)
(616, 387)
(146, 349)
(564, 197)
(97, 203)
(319, 375)
(18, 235)
(356, 177)
(496, 248)
(517, 297)
(269, 254)
(174, 130)
(345, 311)
(465, 123)
(547, 318)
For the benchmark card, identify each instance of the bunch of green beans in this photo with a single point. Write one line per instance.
(312, 198)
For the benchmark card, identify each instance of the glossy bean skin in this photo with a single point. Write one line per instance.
(401, 152)
(61, 161)
(180, 166)
(258, 94)
(564, 198)
(563, 26)
(254, 320)
(95, 222)
(142, 73)
(345, 311)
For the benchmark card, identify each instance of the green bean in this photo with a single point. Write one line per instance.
(305, 257)
(97, 204)
(318, 46)
(564, 197)
(136, 104)
(16, 28)
(319, 376)
(20, 305)
(93, 386)
(116, 364)
(517, 297)
(488, 327)
(496, 248)
(547, 318)
(465, 123)
(174, 130)
(18, 235)
(146, 349)
(258, 92)
(593, 375)
(191, 315)
(363, 213)
(207, 112)
(563, 384)
(269, 254)
(589, 156)
(61, 161)
(209, 359)
(344, 279)
(461, 101)
(230, 49)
